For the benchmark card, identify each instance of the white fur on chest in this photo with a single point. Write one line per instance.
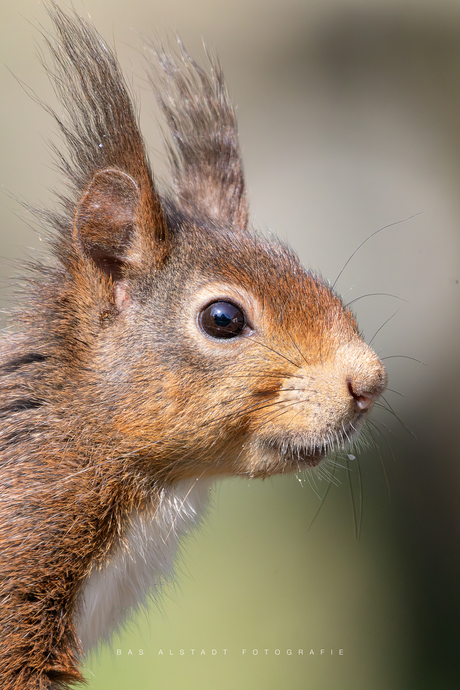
(140, 564)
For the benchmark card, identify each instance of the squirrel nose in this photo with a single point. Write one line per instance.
(364, 399)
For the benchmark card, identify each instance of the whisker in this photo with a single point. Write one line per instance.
(267, 347)
(389, 409)
(325, 473)
(378, 423)
(382, 464)
(298, 350)
(274, 415)
(414, 359)
(320, 505)
(335, 462)
(383, 324)
(349, 289)
(375, 294)
(392, 390)
(251, 408)
(353, 505)
(385, 227)
(361, 501)
(311, 481)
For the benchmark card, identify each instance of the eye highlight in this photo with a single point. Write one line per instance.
(222, 320)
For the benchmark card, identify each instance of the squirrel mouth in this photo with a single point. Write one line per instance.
(295, 454)
(281, 457)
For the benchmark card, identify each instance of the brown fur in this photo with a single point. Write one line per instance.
(109, 389)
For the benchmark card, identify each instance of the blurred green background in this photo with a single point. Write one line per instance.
(349, 115)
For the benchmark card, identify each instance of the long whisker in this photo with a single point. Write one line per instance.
(389, 408)
(321, 504)
(392, 390)
(361, 501)
(349, 289)
(414, 359)
(353, 505)
(277, 413)
(279, 354)
(382, 464)
(256, 407)
(383, 324)
(311, 477)
(323, 472)
(376, 294)
(299, 350)
(385, 227)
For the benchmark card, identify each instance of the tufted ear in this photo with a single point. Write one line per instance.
(204, 153)
(116, 225)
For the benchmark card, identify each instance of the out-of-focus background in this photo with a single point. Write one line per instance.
(349, 116)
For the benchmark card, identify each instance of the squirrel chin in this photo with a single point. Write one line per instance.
(274, 456)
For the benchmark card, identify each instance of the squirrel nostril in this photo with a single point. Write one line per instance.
(363, 401)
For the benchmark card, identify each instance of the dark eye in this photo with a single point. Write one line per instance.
(222, 320)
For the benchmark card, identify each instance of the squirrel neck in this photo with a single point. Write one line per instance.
(139, 563)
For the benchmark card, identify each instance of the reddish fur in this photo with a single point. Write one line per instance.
(109, 390)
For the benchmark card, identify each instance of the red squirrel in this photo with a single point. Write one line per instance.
(166, 345)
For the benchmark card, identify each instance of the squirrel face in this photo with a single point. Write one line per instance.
(133, 310)
(250, 362)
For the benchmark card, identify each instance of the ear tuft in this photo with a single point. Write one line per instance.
(105, 219)
(204, 154)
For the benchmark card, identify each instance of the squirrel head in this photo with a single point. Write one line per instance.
(195, 345)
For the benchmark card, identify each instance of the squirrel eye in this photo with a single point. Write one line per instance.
(222, 320)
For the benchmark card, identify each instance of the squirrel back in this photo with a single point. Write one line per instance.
(166, 345)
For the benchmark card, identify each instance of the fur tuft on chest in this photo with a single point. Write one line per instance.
(140, 563)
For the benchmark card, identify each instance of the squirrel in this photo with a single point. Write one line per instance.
(165, 345)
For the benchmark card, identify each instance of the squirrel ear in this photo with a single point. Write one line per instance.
(204, 155)
(113, 222)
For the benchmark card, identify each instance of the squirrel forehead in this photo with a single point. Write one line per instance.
(239, 257)
(261, 276)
